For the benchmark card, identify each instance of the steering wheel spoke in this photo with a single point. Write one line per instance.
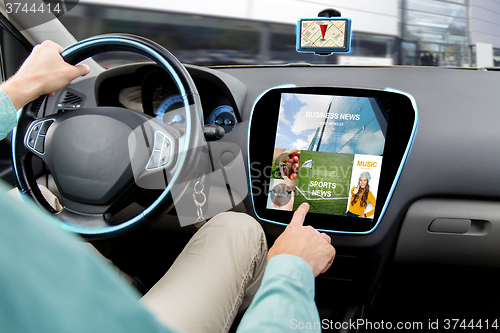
(36, 136)
(84, 221)
(165, 144)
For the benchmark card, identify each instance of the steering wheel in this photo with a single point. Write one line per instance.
(98, 156)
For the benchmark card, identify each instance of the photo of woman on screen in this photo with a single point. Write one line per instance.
(361, 197)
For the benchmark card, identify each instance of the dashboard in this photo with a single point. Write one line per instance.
(440, 203)
(147, 89)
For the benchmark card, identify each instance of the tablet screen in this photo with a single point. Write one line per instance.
(328, 152)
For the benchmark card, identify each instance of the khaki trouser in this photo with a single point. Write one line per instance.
(218, 272)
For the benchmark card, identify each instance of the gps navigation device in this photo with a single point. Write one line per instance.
(324, 36)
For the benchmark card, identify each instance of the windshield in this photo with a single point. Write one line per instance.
(395, 32)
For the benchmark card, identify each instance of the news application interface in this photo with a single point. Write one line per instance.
(328, 152)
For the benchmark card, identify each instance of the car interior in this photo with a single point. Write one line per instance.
(127, 175)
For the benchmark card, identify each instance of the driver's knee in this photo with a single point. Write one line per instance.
(235, 233)
(238, 225)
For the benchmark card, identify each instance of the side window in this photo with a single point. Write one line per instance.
(13, 53)
(14, 49)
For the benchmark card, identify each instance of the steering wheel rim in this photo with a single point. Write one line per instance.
(188, 155)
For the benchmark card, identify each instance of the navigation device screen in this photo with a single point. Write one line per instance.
(324, 35)
(328, 152)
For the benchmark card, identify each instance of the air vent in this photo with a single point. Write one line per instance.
(70, 100)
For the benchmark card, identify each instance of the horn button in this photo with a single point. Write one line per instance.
(89, 155)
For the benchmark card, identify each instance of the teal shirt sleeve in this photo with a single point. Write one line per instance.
(285, 299)
(50, 281)
(8, 115)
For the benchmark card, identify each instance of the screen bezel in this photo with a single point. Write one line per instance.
(264, 120)
(325, 50)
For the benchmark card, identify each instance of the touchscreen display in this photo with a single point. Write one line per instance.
(328, 152)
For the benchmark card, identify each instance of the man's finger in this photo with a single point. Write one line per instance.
(327, 267)
(82, 69)
(329, 264)
(50, 43)
(326, 237)
(300, 215)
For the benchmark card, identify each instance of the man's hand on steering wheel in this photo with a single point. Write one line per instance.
(43, 72)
